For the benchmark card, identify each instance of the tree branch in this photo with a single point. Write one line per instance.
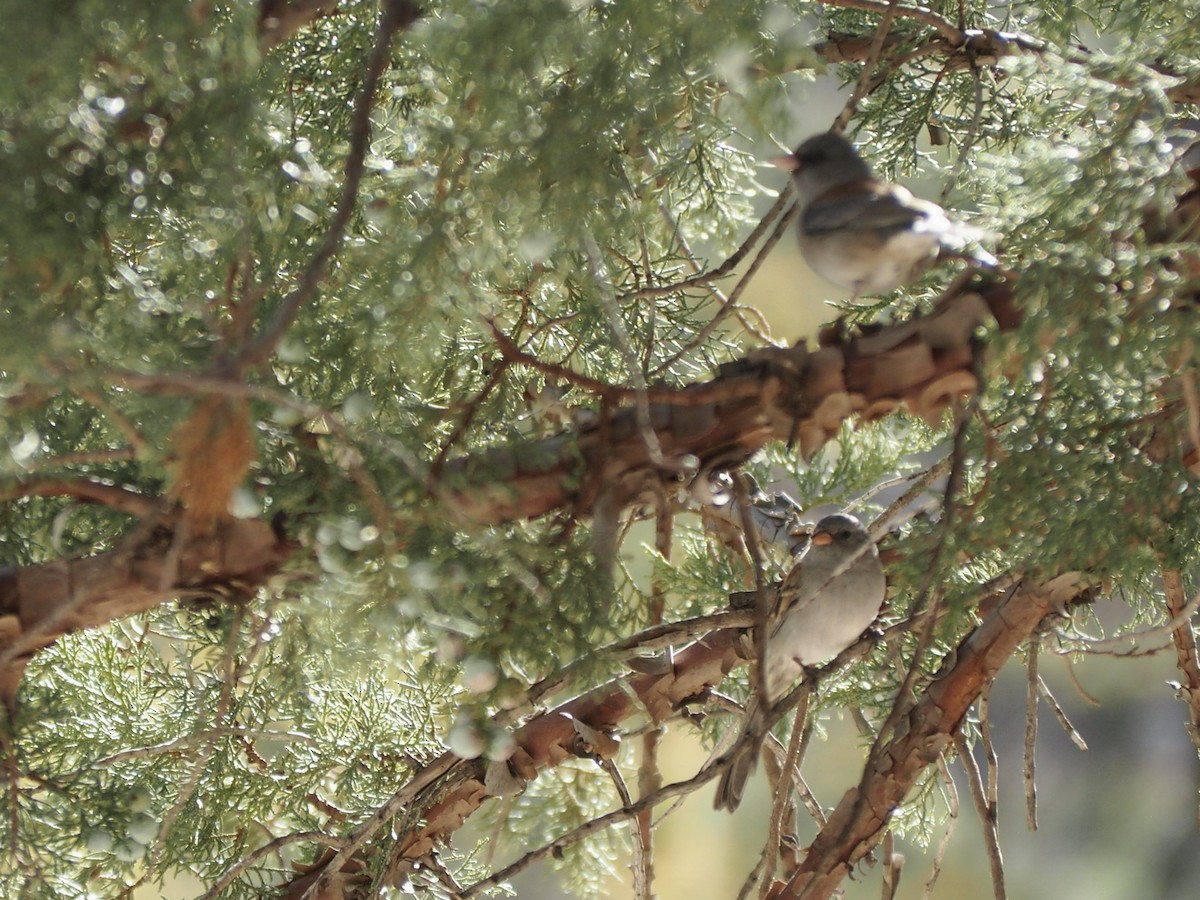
(151, 565)
(927, 731)
(793, 394)
(397, 15)
(113, 496)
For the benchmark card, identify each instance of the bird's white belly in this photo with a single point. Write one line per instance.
(870, 267)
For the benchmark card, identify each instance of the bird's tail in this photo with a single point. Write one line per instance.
(733, 780)
(962, 241)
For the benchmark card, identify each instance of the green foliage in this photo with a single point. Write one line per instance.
(165, 185)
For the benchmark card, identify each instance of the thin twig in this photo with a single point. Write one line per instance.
(1184, 638)
(927, 607)
(761, 332)
(1060, 714)
(783, 793)
(730, 302)
(123, 500)
(84, 458)
(919, 485)
(919, 13)
(868, 69)
(724, 268)
(120, 421)
(951, 795)
(514, 354)
(206, 750)
(986, 815)
(1031, 710)
(396, 16)
(1097, 645)
(587, 829)
(656, 637)
(1076, 683)
(763, 605)
(893, 863)
(315, 837)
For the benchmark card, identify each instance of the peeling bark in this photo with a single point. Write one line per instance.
(151, 565)
(774, 394)
(858, 822)
(454, 789)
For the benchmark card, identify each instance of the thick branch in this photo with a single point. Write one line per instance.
(153, 564)
(791, 394)
(566, 732)
(927, 731)
(976, 47)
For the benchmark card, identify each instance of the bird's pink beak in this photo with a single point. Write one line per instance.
(787, 162)
(822, 539)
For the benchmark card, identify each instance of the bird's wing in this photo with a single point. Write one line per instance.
(865, 205)
(796, 592)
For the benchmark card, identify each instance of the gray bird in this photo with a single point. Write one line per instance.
(831, 596)
(863, 233)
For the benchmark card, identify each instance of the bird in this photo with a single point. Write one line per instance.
(830, 597)
(865, 234)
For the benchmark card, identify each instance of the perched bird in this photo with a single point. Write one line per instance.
(862, 233)
(827, 601)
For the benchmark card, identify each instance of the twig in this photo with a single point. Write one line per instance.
(1184, 638)
(656, 637)
(649, 773)
(868, 68)
(620, 334)
(763, 607)
(120, 421)
(643, 868)
(224, 700)
(760, 332)
(987, 815)
(514, 354)
(1075, 682)
(928, 604)
(919, 485)
(396, 15)
(1031, 709)
(952, 814)
(315, 837)
(893, 863)
(1187, 381)
(783, 792)
(87, 457)
(1060, 714)
(919, 13)
(649, 780)
(724, 268)
(468, 416)
(587, 829)
(730, 303)
(197, 737)
(121, 499)
(1097, 645)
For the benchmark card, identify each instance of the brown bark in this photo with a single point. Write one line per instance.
(928, 730)
(774, 394)
(151, 565)
(454, 789)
